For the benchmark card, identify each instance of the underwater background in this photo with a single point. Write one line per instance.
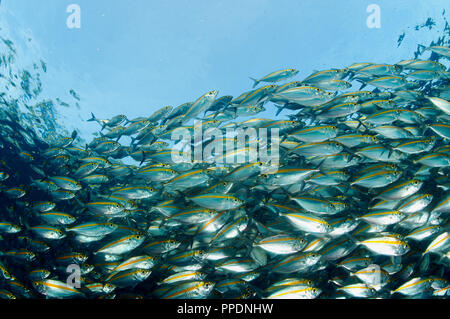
(63, 63)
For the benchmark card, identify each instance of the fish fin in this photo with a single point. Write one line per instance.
(363, 85)
(280, 108)
(396, 260)
(24, 222)
(352, 238)
(79, 202)
(93, 118)
(319, 167)
(132, 140)
(292, 117)
(351, 153)
(285, 155)
(351, 75)
(361, 124)
(256, 82)
(143, 158)
(388, 147)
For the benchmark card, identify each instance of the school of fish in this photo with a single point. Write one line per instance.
(357, 207)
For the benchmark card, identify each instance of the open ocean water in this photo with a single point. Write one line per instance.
(139, 160)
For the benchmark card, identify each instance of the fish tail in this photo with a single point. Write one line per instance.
(361, 124)
(363, 84)
(256, 82)
(79, 202)
(285, 155)
(353, 239)
(24, 222)
(351, 75)
(143, 158)
(319, 167)
(350, 152)
(280, 108)
(93, 118)
(284, 138)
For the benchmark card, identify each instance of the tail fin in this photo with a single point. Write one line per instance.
(24, 222)
(80, 203)
(320, 168)
(132, 140)
(361, 124)
(256, 82)
(280, 108)
(143, 158)
(93, 118)
(363, 85)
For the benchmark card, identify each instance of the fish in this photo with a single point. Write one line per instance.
(386, 245)
(276, 76)
(57, 289)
